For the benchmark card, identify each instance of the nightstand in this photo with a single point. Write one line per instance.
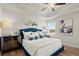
(10, 43)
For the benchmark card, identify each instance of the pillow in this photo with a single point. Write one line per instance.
(37, 35)
(34, 36)
(26, 35)
(46, 34)
(31, 36)
(41, 34)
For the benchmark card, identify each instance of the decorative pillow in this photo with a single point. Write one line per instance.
(32, 36)
(41, 34)
(37, 35)
(46, 34)
(26, 35)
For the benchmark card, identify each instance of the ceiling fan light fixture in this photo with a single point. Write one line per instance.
(51, 5)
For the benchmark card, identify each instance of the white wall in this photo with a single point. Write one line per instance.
(17, 18)
(0, 20)
(40, 20)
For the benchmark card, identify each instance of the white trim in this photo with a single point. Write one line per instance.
(71, 45)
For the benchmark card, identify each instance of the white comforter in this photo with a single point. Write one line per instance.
(42, 47)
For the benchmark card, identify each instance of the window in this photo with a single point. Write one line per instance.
(52, 26)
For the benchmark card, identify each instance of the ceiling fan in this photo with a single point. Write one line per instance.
(52, 5)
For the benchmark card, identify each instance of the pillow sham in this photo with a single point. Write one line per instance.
(41, 34)
(32, 36)
(46, 34)
(37, 35)
(26, 35)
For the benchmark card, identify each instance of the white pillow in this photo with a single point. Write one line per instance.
(26, 35)
(37, 35)
(32, 36)
(41, 34)
(46, 34)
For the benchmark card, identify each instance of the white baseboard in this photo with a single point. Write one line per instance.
(75, 46)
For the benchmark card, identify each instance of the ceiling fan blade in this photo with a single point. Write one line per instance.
(43, 8)
(60, 3)
(46, 3)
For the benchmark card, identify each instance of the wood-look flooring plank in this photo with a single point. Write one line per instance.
(0, 53)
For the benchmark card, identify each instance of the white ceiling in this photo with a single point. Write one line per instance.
(29, 8)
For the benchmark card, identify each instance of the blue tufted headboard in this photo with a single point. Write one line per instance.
(28, 30)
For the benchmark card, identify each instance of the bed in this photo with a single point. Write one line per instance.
(46, 46)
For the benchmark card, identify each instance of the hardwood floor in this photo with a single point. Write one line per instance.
(68, 51)
(18, 52)
(0, 53)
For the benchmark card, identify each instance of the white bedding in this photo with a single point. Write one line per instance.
(42, 47)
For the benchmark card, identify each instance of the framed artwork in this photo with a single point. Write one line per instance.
(66, 27)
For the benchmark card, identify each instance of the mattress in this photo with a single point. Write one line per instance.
(42, 47)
